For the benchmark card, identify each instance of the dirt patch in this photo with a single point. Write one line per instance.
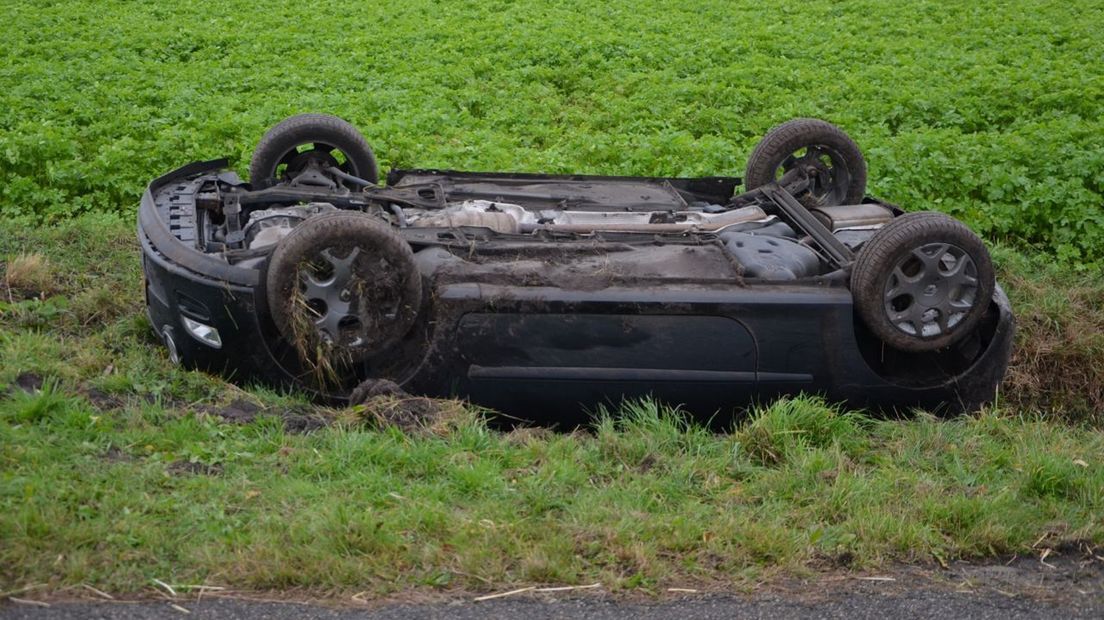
(102, 400)
(373, 388)
(411, 415)
(115, 455)
(1049, 572)
(29, 382)
(179, 468)
(303, 420)
(241, 411)
(378, 402)
(1072, 571)
(383, 404)
(647, 463)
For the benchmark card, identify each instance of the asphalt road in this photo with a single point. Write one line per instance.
(1066, 585)
(923, 604)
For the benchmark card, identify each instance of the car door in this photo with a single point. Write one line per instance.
(549, 363)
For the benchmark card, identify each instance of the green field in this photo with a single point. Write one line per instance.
(121, 468)
(991, 111)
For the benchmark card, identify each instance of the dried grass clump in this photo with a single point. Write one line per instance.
(322, 360)
(381, 403)
(1057, 364)
(414, 415)
(1058, 361)
(28, 275)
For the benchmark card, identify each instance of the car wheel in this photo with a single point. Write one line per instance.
(299, 141)
(922, 282)
(343, 287)
(828, 155)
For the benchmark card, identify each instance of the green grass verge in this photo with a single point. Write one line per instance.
(645, 501)
(118, 472)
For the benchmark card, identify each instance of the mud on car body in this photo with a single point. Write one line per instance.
(544, 296)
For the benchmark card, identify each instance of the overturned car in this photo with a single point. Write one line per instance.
(546, 296)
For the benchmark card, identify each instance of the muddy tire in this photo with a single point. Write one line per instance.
(343, 287)
(830, 155)
(922, 282)
(297, 141)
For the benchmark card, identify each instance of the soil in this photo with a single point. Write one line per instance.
(179, 468)
(1053, 573)
(302, 421)
(15, 293)
(384, 404)
(29, 382)
(102, 400)
(1068, 583)
(1072, 569)
(372, 388)
(115, 455)
(241, 411)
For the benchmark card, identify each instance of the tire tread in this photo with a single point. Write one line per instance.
(786, 138)
(303, 128)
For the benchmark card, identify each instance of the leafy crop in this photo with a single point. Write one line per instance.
(991, 111)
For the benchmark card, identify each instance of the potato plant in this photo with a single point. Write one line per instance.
(990, 111)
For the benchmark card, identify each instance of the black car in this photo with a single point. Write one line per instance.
(543, 296)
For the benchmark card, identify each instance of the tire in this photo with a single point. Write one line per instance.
(835, 156)
(278, 156)
(343, 284)
(922, 282)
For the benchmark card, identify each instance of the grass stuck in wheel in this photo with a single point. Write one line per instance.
(342, 287)
(326, 363)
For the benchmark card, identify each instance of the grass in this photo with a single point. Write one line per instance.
(1058, 365)
(645, 501)
(119, 469)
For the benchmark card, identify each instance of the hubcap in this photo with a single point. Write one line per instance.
(326, 284)
(931, 290)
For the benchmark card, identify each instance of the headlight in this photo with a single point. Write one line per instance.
(204, 333)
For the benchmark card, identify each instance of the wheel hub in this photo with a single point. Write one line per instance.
(822, 166)
(933, 293)
(319, 158)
